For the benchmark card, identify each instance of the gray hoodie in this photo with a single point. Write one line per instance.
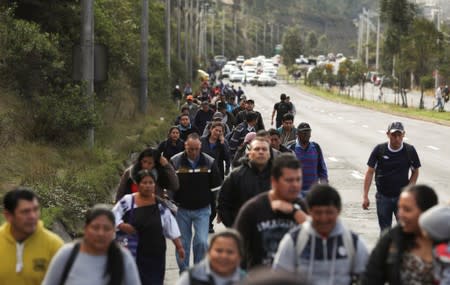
(202, 272)
(324, 260)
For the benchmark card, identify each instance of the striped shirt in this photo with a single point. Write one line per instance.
(313, 165)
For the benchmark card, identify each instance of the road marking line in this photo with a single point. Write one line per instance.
(358, 175)
(322, 111)
(365, 126)
(333, 159)
(432, 147)
(381, 131)
(351, 121)
(340, 118)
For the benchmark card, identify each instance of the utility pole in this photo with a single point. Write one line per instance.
(377, 59)
(278, 33)
(168, 38)
(271, 38)
(199, 39)
(191, 35)
(360, 29)
(438, 27)
(256, 39)
(179, 29)
(367, 38)
(197, 28)
(87, 58)
(234, 28)
(186, 34)
(143, 97)
(223, 29)
(212, 32)
(264, 39)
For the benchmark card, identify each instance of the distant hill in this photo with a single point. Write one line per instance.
(334, 18)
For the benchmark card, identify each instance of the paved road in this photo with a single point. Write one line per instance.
(347, 135)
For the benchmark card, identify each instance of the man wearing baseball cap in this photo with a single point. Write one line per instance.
(193, 108)
(391, 163)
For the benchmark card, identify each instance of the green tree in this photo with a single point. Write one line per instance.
(421, 50)
(398, 15)
(311, 43)
(293, 45)
(322, 46)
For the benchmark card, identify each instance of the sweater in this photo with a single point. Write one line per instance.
(38, 250)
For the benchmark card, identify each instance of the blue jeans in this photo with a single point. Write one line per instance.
(200, 219)
(386, 206)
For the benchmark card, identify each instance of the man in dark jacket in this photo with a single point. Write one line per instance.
(245, 182)
(203, 116)
(249, 107)
(239, 133)
(198, 174)
(185, 127)
(228, 117)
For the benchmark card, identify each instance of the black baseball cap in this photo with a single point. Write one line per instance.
(303, 127)
(396, 127)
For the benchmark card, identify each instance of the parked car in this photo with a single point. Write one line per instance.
(301, 60)
(227, 70)
(240, 59)
(266, 80)
(237, 76)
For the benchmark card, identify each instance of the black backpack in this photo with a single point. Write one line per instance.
(283, 108)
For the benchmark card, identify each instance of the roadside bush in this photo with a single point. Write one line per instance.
(62, 116)
(427, 82)
(65, 195)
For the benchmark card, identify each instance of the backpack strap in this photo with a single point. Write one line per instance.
(320, 157)
(69, 262)
(409, 152)
(349, 246)
(382, 148)
(300, 244)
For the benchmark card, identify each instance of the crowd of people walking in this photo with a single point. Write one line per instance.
(269, 188)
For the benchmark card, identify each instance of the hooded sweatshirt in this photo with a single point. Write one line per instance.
(323, 260)
(26, 263)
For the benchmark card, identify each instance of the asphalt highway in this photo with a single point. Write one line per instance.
(347, 135)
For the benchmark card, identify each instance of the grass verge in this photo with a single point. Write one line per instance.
(410, 112)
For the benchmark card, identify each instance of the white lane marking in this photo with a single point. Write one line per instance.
(432, 147)
(365, 126)
(340, 118)
(322, 111)
(358, 175)
(381, 131)
(330, 114)
(351, 121)
(333, 159)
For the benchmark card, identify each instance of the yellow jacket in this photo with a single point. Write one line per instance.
(38, 250)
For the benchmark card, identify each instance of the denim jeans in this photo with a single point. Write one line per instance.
(200, 220)
(386, 206)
